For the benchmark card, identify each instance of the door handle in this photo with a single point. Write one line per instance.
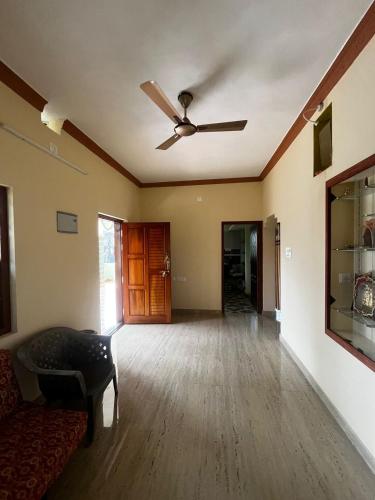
(167, 263)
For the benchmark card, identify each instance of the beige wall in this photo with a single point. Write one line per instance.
(301, 210)
(196, 234)
(57, 275)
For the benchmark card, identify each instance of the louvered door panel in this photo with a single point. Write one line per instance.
(156, 247)
(157, 295)
(156, 265)
(147, 284)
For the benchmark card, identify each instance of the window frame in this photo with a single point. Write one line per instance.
(5, 325)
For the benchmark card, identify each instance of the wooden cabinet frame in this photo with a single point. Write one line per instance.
(347, 174)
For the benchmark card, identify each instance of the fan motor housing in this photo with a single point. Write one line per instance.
(185, 129)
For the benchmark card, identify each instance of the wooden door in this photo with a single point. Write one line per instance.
(146, 272)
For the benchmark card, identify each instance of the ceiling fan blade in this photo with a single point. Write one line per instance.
(169, 142)
(222, 127)
(155, 93)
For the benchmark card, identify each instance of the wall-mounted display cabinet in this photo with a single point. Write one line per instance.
(350, 273)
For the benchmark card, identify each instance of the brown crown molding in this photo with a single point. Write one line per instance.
(199, 182)
(85, 140)
(358, 40)
(23, 89)
(360, 37)
(14, 82)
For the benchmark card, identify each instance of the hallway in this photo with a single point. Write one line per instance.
(212, 407)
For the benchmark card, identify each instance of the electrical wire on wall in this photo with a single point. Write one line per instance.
(51, 152)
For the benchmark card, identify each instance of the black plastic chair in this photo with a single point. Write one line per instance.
(71, 365)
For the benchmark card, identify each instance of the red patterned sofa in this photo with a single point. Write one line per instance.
(35, 441)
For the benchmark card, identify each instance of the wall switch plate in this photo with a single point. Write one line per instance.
(288, 252)
(53, 148)
(199, 198)
(67, 223)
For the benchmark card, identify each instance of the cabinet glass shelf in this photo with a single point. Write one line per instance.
(349, 313)
(350, 280)
(354, 249)
(346, 197)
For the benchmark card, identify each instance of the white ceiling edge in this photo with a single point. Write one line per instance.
(254, 84)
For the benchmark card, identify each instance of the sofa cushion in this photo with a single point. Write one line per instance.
(10, 395)
(35, 444)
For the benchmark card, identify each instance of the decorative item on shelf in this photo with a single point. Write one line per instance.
(346, 248)
(369, 233)
(346, 195)
(363, 296)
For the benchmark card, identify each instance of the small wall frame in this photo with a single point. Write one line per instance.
(67, 222)
(323, 141)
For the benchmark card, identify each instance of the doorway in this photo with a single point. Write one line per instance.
(242, 283)
(110, 273)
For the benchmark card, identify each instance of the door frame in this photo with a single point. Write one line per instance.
(119, 285)
(259, 225)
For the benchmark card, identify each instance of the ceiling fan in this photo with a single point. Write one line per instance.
(184, 127)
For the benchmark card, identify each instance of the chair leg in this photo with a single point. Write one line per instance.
(90, 420)
(115, 384)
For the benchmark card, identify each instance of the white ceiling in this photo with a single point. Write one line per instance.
(242, 59)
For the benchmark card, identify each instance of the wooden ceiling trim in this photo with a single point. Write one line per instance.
(85, 140)
(24, 90)
(199, 182)
(358, 40)
(20, 87)
(360, 37)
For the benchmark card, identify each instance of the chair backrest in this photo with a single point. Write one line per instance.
(10, 395)
(49, 349)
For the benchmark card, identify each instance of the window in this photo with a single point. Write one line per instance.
(5, 325)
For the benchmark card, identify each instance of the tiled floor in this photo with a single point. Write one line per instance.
(213, 408)
(237, 302)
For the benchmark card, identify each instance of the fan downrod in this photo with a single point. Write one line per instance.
(185, 128)
(185, 99)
